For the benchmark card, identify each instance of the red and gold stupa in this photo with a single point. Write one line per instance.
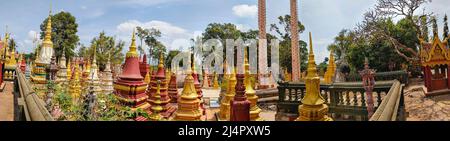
(173, 89)
(130, 86)
(151, 90)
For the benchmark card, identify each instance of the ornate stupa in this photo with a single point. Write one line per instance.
(198, 86)
(10, 66)
(205, 79)
(62, 73)
(130, 86)
(143, 65)
(313, 107)
(188, 102)
(161, 76)
(173, 89)
(43, 59)
(107, 79)
(69, 71)
(23, 64)
(93, 79)
(216, 81)
(240, 106)
(225, 79)
(75, 84)
(156, 107)
(85, 75)
(251, 93)
(224, 113)
(331, 69)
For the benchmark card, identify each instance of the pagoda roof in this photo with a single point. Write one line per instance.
(434, 53)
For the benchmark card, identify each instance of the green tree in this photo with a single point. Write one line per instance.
(150, 37)
(445, 27)
(106, 46)
(283, 30)
(64, 33)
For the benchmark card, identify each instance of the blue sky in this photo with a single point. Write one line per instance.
(180, 20)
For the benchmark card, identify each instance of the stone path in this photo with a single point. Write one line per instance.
(7, 103)
(420, 108)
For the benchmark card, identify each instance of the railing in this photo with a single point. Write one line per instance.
(392, 107)
(401, 76)
(344, 99)
(29, 106)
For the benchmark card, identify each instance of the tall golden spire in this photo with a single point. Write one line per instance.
(313, 107)
(48, 31)
(250, 92)
(132, 52)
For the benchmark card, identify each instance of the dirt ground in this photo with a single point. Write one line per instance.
(420, 108)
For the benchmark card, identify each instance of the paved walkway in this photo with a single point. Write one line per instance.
(7, 103)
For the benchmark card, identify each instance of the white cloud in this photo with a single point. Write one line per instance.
(243, 27)
(173, 37)
(144, 2)
(245, 10)
(28, 44)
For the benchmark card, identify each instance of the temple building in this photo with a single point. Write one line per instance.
(130, 86)
(38, 77)
(313, 107)
(107, 79)
(435, 62)
(188, 102)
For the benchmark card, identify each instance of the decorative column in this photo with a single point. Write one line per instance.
(262, 46)
(313, 107)
(294, 43)
(240, 106)
(368, 77)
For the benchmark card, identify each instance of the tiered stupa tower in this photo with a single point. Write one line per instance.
(130, 86)
(107, 80)
(313, 106)
(198, 86)
(156, 107)
(38, 78)
(224, 113)
(75, 84)
(331, 69)
(62, 73)
(173, 89)
(240, 106)
(93, 79)
(188, 102)
(251, 93)
(151, 90)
